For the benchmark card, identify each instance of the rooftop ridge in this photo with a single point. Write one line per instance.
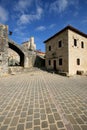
(65, 28)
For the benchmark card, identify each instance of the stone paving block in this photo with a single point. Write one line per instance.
(37, 122)
(43, 116)
(37, 128)
(53, 106)
(14, 121)
(85, 113)
(51, 119)
(7, 121)
(57, 116)
(17, 112)
(2, 118)
(36, 115)
(78, 111)
(4, 113)
(53, 127)
(24, 109)
(36, 110)
(30, 112)
(23, 114)
(29, 118)
(71, 119)
(42, 110)
(76, 127)
(20, 127)
(84, 118)
(79, 120)
(41, 106)
(10, 114)
(21, 120)
(28, 125)
(84, 127)
(3, 127)
(12, 128)
(54, 110)
(75, 115)
(44, 124)
(60, 124)
(48, 110)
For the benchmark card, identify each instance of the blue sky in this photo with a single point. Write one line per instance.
(42, 18)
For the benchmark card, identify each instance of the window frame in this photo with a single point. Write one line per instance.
(75, 42)
(60, 61)
(49, 47)
(78, 61)
(82, 44)
(49, 62)
(59, 43)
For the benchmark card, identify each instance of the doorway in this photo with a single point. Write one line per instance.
(54, 64)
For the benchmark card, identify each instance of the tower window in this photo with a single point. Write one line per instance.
(78, 61)
(75, 42)
(60, 61)
(82, 44)
(49, 48)
(60, 44)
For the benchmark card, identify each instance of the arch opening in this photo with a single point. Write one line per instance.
(19, 52)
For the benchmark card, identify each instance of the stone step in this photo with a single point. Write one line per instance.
(18, 69)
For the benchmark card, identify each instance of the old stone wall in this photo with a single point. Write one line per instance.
(12, 52)
(57, 52)
(77, 52)
(3, 49)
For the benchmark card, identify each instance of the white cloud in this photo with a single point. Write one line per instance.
(22, 5)
(59, 5)
(3, 14)
(28, 18)
(52, 25)
(41, 28)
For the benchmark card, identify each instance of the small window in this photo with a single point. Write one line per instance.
(60, 44)
(60, 61)
(49, 48)
(49, 62)
(82, 44)
(75, 42)
(78, 61)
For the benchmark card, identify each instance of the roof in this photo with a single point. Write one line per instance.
(40, 52)
(66, 28)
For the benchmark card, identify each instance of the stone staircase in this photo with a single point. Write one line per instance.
(18, 69)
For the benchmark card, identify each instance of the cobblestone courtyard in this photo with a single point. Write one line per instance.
(43, 101)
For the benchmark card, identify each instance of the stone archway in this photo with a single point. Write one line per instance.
(19, 52)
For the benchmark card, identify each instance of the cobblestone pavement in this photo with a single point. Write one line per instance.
(43, 101)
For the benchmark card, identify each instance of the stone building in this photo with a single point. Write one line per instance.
(66, 51)
(13, 54)
(40, 59)
(30, 45)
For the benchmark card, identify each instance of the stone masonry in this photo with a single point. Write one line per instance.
(26, 56)
(3, 49)
(39, 100)
(66, 51)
